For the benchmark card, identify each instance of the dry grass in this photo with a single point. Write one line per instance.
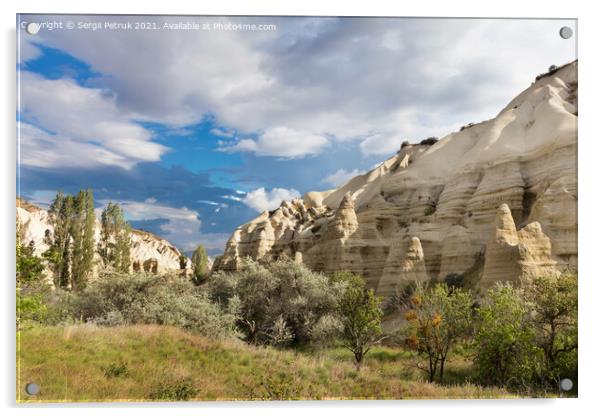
(136, 363)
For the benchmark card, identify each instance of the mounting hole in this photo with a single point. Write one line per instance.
(566, 32)
(32, 28)
(32, 389)
(566, 384)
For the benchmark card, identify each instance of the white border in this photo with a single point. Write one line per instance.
(590, 204)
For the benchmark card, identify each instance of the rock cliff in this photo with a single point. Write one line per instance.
(148, 252)
(498, 200)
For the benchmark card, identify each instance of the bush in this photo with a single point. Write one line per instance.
(280, 297)
(505, 342)
(117, 299)
(174, 390)
(360, 316)
(554, 317)
(430, 141)
(439, 318)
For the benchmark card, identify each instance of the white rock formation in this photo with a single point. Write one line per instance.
(148, 252)
(447, 197)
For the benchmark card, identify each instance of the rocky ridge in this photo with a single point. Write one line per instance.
(148, 252)
(498, 200)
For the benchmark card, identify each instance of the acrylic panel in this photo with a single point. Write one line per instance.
(295, 208)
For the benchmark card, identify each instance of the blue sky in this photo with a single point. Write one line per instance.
(195, 133)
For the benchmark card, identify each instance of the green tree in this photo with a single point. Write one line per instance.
(505, 342)
(30, 267)
(82, 237)
(554, 316)
(278, 302)
(439, 318)
(58, 254)
(71, 242)
(115, 238)
(200, 264)
(360, 314)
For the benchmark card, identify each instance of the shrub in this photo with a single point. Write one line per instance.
(430, 141)
(554, 317)
(439, 318)
(282, 291)
(117, 299)
(181, 389)
(505, 343)
(430, 210)
(119, 369)
(360, 316)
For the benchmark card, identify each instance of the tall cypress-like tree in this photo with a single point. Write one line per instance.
(71, 244)
(115, 240)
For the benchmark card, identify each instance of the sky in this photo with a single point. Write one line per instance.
(196, 131)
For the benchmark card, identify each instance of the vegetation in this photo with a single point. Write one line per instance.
(200, 264)
(71, 245)
(438, 318)
(278, 303)
(134, 363)
(361, 316)
(115, 242)
(163, 337)
(429, 141)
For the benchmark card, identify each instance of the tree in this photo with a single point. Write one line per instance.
(115, 238)
(505, 344)
(200, 264)
(554, 317)
(71, 244)
(278, 302)
(438, 318)
(58, 254)
(30, 267)
(360, 316)
(82, 236)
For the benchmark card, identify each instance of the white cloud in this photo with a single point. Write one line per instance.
(82, 127)
(262, 200)
(282, 142)
(341, 177)
(322, 79)
(182, 229)
(380, 144)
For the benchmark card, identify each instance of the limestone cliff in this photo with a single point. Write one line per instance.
(148, 252)
(497, 198)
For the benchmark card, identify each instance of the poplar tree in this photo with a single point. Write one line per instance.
(115, 238)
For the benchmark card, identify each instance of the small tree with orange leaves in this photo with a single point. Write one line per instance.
(438, 318)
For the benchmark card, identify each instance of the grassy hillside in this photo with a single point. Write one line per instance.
(87, 363)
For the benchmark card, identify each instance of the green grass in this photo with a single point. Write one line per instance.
(135, 363)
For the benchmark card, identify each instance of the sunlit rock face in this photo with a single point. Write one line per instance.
(148, 252)
(497, 199)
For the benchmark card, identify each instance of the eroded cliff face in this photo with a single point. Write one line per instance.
(147, 253)
(497, 199)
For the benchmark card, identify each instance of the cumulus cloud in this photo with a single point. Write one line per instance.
(262, 200)
(323, 79)
(282, 142)
(79, 127)
(182, 228)
(341, 177)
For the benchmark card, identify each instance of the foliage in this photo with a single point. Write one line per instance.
(174, 390)
(505, 342)
(439, 318)
(429, 141)
(117, 299)
(200, 264)
(115, 238)
(71, 245)
(430, 210)
(73, 361)
(360, 316)
(281, 292)
(554, 317)
(30, 267)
